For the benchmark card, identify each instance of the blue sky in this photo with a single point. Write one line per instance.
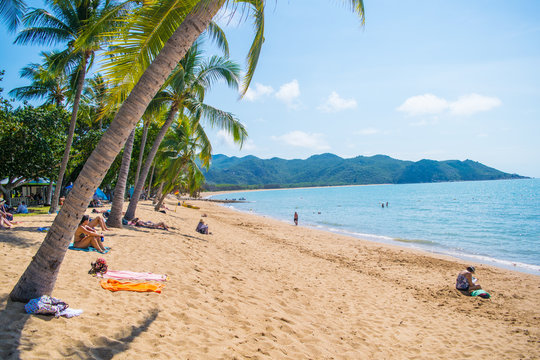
(422, 79)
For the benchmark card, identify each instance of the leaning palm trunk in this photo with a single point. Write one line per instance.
(132, 207)
(115, 216)
(160, 202)
(146, 125)
(149, 192)
(157, 200)
(73, 122)
(40, 276)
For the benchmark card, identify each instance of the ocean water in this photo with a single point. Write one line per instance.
(493, 222)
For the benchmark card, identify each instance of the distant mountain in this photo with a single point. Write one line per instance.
(329, 169)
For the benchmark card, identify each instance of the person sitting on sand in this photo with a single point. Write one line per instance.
(4, 222)
(5, 211)
(202, 227)
(86, 235)
(148, 224)
(22, 208)
(466, 282)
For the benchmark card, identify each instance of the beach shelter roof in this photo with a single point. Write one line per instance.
(31, 182)
(100, 194)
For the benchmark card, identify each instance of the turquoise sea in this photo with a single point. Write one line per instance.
(493, 222)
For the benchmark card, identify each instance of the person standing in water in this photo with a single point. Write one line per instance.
(295, 218)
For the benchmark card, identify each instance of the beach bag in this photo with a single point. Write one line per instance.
(98, 267)
(46, 305)
(482, 293)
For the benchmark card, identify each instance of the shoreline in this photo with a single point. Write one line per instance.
(402, 243)
(260, 288)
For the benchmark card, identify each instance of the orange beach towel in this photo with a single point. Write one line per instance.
(115, 285)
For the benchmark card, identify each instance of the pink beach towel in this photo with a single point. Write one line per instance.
(131, 275)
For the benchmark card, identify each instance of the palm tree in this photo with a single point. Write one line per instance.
(45, 83)
(64, 24)
(94, 99)
(184, 143)
(115, 216)
(184, 91)
(40, 276)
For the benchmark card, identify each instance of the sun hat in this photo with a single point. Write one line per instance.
(471, 269)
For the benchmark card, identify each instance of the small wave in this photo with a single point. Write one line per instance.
(508, 264)
(329, 223)
(416, 241)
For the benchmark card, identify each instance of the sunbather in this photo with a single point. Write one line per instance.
(148, 224)
(97, 221)
(86, 235)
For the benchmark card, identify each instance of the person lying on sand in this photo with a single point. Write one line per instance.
(466, 282)
(148, 224)
(97, 221)
(86, 235)
(100, 211)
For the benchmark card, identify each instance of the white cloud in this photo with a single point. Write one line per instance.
(226, 139)
(368, 131)
(336, 103)
(257, 91)
(249, 145)
(465, 105)
(473, 103)
(426, 122)
(423, 104)
(301, 139)
(289, 92)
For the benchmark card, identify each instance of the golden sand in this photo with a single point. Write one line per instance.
(258, 288)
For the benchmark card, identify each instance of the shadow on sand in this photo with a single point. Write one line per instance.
(16, 237)
(12, 320)
(108, 347)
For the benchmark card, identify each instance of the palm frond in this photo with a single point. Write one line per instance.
(258, 40)
(12, 12)
(217, 35)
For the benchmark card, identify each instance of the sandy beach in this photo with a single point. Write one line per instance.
(258, 288)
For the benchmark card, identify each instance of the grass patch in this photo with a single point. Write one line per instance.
(35, 210)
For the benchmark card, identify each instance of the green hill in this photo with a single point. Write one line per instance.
(329, 169)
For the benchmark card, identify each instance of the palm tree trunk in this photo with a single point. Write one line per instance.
(49, 192)
(71, 132)
(40, 276)
(115, 216)
(160, 202)
(132, 207)
(146, 125)
(150, 181)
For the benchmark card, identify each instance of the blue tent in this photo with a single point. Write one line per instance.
(100, 194)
